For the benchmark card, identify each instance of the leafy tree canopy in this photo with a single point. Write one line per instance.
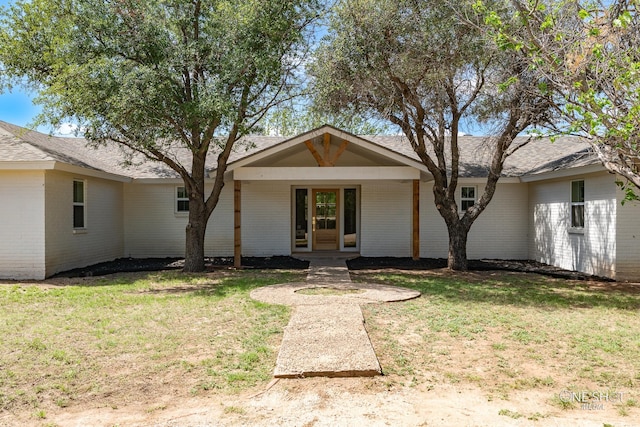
(589, 52)
(425, 67)
(160, 77)
(292, 119)
(147, 71)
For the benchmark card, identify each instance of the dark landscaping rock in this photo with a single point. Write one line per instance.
(123, 265)
(364, 263)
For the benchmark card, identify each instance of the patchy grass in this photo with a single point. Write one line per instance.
(140, 339)
(510, 414)
(509, 333)
(128, 337)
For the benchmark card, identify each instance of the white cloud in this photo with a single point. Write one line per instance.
(67, 129)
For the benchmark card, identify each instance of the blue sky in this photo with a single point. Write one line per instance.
(16, 106)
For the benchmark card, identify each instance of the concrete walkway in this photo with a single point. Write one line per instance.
(326, 335)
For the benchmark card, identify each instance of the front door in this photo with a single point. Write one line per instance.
(325, 220)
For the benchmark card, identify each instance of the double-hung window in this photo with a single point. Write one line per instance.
(79, 212)
(577, 204)
(182, 200)
(467, 198)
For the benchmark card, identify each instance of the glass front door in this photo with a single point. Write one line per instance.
(325, 220)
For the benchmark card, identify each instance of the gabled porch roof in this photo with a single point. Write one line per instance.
(326, 144)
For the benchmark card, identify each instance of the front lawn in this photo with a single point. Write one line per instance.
(512, 332)
(144, 339)
(133, 338)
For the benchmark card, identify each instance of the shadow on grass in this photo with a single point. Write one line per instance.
(220, 288)
(219, 282)
(516, 290)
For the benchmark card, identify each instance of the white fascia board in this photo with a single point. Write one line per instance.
(63, 167)
(33, 165)
(476, 181)
(483, 181)
(156, 181)
(325, 173)
(563, 173)
(170, 181)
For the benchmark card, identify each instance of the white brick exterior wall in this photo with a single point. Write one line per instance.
(523, 221)
(22, 225)
(386, 208)
(592, 251)
(154, 229)
(627, 239)
(103, 239)
(434, 239)
(266, 218)
(500, 232)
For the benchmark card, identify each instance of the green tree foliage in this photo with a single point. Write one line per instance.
(174, 80)
(418, 65)
(292, 119)
(589, 52)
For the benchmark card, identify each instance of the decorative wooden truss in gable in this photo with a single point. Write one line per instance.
(326, 158)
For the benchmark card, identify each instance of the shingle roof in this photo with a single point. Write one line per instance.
(20, 144)
(537, 156)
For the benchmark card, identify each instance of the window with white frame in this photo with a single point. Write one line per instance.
(577, 204)
(79, 212)
(467, 198)
(182, 200)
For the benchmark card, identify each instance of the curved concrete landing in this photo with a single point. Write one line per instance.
(287, 294)
(326, 334)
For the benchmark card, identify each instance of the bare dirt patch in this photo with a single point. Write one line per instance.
(348, 402)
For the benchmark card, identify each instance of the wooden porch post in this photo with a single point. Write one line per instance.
(415, 253)
(237, 236)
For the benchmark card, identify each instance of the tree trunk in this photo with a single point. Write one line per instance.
(196, 230)
(458, 233)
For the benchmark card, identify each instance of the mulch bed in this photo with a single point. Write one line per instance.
(528, 266)
(122, 265)
(289, 263)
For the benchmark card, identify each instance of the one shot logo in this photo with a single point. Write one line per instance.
(589, 399)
